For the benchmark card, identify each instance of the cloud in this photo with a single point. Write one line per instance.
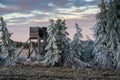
(43, 5)
(3, 6)
(17, 15)
(26, 13)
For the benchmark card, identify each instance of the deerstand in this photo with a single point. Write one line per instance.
(38, 34)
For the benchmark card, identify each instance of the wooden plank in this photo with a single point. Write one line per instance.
(34, 32)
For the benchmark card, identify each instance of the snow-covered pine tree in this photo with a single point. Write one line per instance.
(76, 43)
(103, 54)
(114, 29)
(117, 57)
(53, 53)
(73, 59)
(7, 47)
(100, 27)
(58, 43)
(88, 47)
(62, 40)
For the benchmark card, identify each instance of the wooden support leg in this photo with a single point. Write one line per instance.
(30, 53)
(23, 47)
(39, 53)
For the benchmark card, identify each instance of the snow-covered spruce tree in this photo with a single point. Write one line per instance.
(53, 53)
(62, 40)
(73, 59)
(113, 27)
(76, 43)
(103, 54)
(88, 47)
(58, 44)
(118, 57)
(7, 47)
(100, 27)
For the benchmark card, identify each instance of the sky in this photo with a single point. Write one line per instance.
(22, 14)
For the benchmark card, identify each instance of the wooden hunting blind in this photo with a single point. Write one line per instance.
(40, 35)
(36, 32)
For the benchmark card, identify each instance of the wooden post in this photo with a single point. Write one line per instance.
(23, 47)
(39, 45)
(29, 51)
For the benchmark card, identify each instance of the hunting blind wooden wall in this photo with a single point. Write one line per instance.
(39, 34)
(34, 32)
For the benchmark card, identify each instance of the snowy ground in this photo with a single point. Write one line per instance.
(55, 73)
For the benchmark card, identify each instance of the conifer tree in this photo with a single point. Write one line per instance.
(113, 28)
(117, 57)
(76, 43)
(53, 53)
(62, 39)
(73, 59)
(58, 43)
(7, 46)
(88, 47)
(100, 28)
(103, 53)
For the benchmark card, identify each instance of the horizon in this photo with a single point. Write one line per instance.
(22, 14)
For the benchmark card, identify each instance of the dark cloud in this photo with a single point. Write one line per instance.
(33, 5)
(4, 11)
(9, 10)
(43, 5)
